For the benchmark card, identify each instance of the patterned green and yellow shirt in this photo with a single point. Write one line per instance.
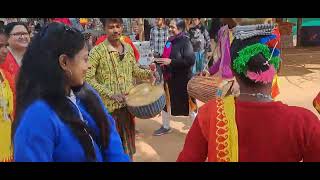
(109, 75)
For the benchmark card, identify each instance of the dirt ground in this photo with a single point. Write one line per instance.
(299, 84)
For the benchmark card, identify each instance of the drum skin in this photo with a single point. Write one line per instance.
(146, 101)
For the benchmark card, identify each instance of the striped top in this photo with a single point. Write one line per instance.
(109, 75)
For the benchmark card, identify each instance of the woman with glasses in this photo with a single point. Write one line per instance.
(18, 41)
(59, 117)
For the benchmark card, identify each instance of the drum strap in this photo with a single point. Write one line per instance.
(167, 94)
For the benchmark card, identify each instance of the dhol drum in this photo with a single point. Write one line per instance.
(146, 100)
(204, 88)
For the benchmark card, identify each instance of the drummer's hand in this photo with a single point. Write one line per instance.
(235, 89)
(163, 61)
(118, 97)
(203, 73)
(153, 77)
(152, 67)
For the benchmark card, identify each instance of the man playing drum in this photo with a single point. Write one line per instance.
(113, 67)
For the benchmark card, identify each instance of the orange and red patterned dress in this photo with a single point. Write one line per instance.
(228, 130)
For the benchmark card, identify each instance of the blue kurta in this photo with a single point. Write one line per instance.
(43, 137)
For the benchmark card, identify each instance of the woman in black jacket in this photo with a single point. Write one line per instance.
(177, 61)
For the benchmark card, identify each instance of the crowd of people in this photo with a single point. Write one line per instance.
(63, 93)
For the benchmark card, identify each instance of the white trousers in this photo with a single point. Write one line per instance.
(166, 118)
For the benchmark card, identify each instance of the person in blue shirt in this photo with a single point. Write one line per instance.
(59, 117)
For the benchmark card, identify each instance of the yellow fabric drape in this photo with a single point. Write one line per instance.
(226, 134)
(6, 110)
(229, 110)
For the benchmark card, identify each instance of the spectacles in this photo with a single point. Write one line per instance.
(20, 34)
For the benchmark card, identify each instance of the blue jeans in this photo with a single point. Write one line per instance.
(200, 62)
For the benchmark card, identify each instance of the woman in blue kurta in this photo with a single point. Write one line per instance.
(59, 117)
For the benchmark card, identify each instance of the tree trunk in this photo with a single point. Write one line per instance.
(299, 23)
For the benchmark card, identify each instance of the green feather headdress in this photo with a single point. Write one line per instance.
(240, 63)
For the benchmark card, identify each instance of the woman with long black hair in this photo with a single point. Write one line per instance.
(59, 117)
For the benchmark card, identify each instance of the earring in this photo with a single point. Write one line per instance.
(70, 72)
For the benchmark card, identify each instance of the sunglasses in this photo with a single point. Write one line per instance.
(67, 29)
